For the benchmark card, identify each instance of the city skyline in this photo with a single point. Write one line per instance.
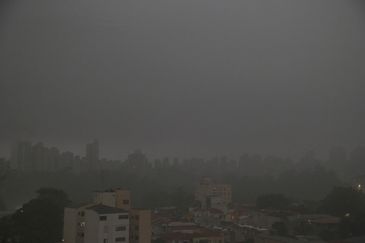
(184, 121)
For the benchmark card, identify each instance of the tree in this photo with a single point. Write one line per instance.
(38, 221)
(56, 196)
(343, 201)
(349, 205)
(273, 201)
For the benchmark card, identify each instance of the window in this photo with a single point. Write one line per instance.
(81, 224)
(120, 228)
(119, 239)
(105, 241)
(125, 201)
(123, 216)
(102, 218)
(82, 213)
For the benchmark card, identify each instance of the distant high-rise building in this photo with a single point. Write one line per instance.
(53, 157)
(39, 157)
(45, 159)
(92, 155)
(213, 195)
(3, 167)
(21, 156)
(67, 160)
(137, 160)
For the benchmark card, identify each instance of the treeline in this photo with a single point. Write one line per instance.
(162, 187)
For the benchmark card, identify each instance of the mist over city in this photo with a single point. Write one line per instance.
(182, 121)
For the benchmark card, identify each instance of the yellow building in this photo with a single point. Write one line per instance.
(119, 198)
(141, 228)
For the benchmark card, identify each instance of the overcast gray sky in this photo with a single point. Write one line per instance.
(183, 77)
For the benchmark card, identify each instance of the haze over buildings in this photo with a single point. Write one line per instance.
(186, 121)
(183, 77)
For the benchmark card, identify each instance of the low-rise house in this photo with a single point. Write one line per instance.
(194, 235)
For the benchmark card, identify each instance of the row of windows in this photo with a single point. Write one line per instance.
(120, 228)
(118, 239)
(122, 216)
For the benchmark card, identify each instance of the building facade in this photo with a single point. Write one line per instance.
(140, 226)
(118, 198)
(96, 224)
(213, 195)
(109, 219)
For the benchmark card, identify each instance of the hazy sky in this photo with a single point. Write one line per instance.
(183, 77)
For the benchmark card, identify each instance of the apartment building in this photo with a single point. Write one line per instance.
(140, 226)
(213, 195)
(119, 198)
(96, 224)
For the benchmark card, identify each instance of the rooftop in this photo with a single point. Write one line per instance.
(80, 205)
(199, 233)
(102, 209)
(112, 190)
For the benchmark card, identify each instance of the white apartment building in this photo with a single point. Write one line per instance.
(96, 224)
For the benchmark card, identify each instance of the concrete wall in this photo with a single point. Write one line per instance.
(106, 198)
(70, 225)
(96, 230)
(141, 226)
